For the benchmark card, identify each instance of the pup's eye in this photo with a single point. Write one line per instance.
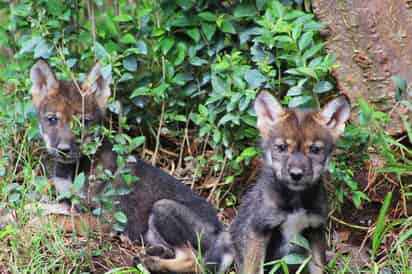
(281, 147)
(315, 149)
(52, 119)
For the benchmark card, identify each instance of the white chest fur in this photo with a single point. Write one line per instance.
(299, 220)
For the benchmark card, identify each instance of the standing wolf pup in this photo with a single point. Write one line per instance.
(165, 213)
(288, 197)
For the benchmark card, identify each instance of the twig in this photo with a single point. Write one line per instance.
(218, 179)
(348, 224)
(90, 7)
(182, 145)
(158, 135)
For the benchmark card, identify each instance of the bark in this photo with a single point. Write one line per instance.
(373, 42)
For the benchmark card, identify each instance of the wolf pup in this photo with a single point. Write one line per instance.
(288, 197)
(171, 219)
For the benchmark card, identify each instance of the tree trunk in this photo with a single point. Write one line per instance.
(373, 41)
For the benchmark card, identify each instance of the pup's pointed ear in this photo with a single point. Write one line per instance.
(336, 113)
(43, 81)
(98, 84)
(268, 111)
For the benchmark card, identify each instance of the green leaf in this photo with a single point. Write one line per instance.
(245, 10)
(322, 87)
(305, 40)
(208, 30)
(310, 52)
(217, 136)
(110, 27)
(296, 31)
(219, 85)
(380, 225)
(140, 91)
(229, 117)
(228, 27)
(295, 90)
(299, 101)
(293, 259)
(207, 16)
(136, 142)
(196, 61)
(157, 32)
(78, 183)
(43, 50)
(194, 34)
(130, 63)
(301, 241)
(203, 110)
(101, 52)
(166, 44)
(181, 53)
(141, 46)
(306, 71)
(254, 78)
(247, 154)
(401, 240)
(123, 18)
(120, 217)
(128, 39)
(182, 78)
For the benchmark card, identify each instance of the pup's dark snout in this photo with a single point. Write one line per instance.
(297, 166)
(296, 174)
(64, 149)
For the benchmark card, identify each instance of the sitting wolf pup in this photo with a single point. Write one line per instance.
(288, 197)
(160, 209)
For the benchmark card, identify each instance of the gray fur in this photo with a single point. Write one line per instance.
(288, 197)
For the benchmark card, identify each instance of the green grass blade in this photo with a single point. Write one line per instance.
(380, 225)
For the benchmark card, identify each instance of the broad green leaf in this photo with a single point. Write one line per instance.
(207, 16)
(196, 61)
(228, 27)
(229, 117)
(310, 52)
(120, 217)
(141, 46)
(130, 63)
(140, 91)
(208, 30)
(322, 87)
(194, 34)
(123, 18)
(43, 50)
(166, 44)
(181, 53)
(245, 10)
(294, 259)
(254, 78)
(128, 39)
(299, 100)
(78, 183)
(305, 40)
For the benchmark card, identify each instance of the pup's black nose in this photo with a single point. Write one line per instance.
(296, 174)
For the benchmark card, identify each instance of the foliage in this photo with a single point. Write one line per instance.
(180, 64)
(185, 76)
